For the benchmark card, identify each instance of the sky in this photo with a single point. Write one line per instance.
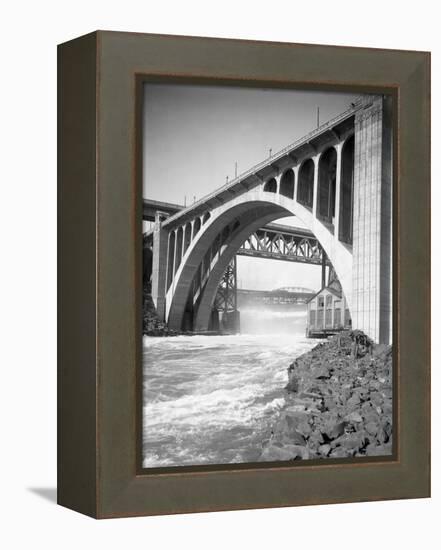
(193, 136)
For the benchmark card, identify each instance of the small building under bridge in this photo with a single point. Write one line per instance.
(327, 312)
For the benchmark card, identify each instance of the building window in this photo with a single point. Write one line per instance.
(320, 318)
(328, 300)
(337, 317)
(321, 301)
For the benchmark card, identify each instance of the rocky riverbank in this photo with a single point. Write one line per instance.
(151, 324)
(338, 402)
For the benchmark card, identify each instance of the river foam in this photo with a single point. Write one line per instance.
(212, 399)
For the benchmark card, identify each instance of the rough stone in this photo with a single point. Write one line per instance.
(354, 417)
(151, 324)
(338, 402)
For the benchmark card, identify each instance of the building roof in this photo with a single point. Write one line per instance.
(329, 289)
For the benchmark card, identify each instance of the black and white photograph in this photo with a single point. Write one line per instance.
(267, 275)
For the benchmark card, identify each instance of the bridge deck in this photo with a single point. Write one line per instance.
(274, 227)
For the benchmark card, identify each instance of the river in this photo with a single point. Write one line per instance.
(213, 399)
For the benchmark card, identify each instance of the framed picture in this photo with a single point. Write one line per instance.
(244, 274)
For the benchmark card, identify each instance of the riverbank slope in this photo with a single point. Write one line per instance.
(151, 324)
(338, 402)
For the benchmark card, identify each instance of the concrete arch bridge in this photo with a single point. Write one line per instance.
(336, 180)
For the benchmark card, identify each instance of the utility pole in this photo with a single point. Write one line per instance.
(318, 117)
(235, 169)
(185, 200)
(270, 152)
(226, 179)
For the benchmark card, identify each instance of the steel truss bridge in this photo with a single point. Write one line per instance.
(282, 242)
(278, 296)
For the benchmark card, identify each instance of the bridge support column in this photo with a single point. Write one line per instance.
(159, 268)
(372, 246)
(231, 321)
(296, 170)
(337, 192)
(316, 160)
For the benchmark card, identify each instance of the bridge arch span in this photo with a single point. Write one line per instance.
(347, 191)
(245, 213)
(305, 184)
(201, 257)
(287, 183)
(270, 186)
(327, 188)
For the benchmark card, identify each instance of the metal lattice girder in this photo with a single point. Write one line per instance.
(226, 296)
(278, 242)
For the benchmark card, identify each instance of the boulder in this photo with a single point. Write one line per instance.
(332, 430)
(324, 450)
(273, 453)
(354, 416)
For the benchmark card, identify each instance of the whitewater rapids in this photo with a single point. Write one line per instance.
(213, 399)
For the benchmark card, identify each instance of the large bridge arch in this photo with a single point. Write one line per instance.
(253, 208)
(237, 217)
(207, 298)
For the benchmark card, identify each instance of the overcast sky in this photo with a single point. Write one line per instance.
(194, 135)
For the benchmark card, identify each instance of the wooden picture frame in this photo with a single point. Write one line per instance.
(100, 202)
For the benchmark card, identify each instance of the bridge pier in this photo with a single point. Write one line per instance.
(159, 266)
(231, 321)
(372, 252)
